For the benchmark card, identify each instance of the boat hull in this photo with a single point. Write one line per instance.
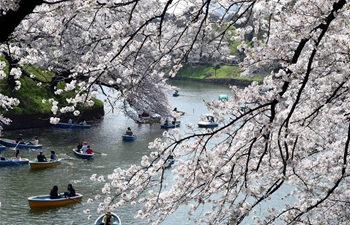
(117, 220)
(41, 165)
(207, 125)
(43, 201)
(71, 126)
(2, 148)
(12, 143)
(82, 155)
(129, 137)
(170, 126)
(14, 162)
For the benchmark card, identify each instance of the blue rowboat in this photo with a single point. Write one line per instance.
(71, 126)
(43, 201)
(12, 143)
(2, 147)
(223, 97)
(117, 220)
(170, 125)
(83, 155)
(208, 122)
(13, 161)
(128, 137)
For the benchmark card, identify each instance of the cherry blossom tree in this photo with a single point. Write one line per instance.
(292, 137)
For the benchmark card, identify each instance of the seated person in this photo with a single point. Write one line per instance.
(53, 156)
(70, 121)
(20, 139)
(18, 155)
(108, 219)
(54, 193)
(129, 132)
(84, 147)
(35, 141)
(166, 123)
(79, 146)
(70, 191)
(41, 157)
(89, 150)
(174, 121)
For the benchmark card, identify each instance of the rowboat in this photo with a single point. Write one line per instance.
(176, 94)
(208, 122)
(170, 125)
(43, 201)
(13, 161)
(117, 220)
(83, 155)
(71, 126)
(40, 165)
(128, 137)
(12, 143)
(2, 147)
(223, 97)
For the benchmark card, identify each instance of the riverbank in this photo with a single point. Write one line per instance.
(218, 81)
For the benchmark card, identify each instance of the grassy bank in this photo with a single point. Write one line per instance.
(31, 94)
(213, 71)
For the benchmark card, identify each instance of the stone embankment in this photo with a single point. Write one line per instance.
(43, 120)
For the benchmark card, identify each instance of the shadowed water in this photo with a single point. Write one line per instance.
(17, 183)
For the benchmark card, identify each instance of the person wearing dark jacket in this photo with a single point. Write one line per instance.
(70, 191)
(54, 193)
(41, 157)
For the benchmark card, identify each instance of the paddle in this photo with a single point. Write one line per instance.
(69, 163)
(17, 145)
(104, 154)
(14, 160)
(72, 199)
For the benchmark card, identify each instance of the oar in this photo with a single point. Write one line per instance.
(17, 145)
(13, 160)
(73, 199)
(69, 163)
(104, 154)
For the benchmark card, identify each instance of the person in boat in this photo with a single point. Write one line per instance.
(41, 157)
(18, 155)
(2, 157)
(166, 123)
(70, 191)
(53, 156)
(174, 121)
(34, 141)
(84, 147)
(54, 193)
(108, 219)
(20, 139)
(129, 132)
(89, 150)
(79, 146)
(70, 121)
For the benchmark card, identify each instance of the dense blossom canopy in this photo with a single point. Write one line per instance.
(292, 136)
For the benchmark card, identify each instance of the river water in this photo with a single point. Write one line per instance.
(17, 183)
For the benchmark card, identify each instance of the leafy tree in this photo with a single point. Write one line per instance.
(292, 137)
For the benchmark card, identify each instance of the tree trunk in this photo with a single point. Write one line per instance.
(11, 19)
